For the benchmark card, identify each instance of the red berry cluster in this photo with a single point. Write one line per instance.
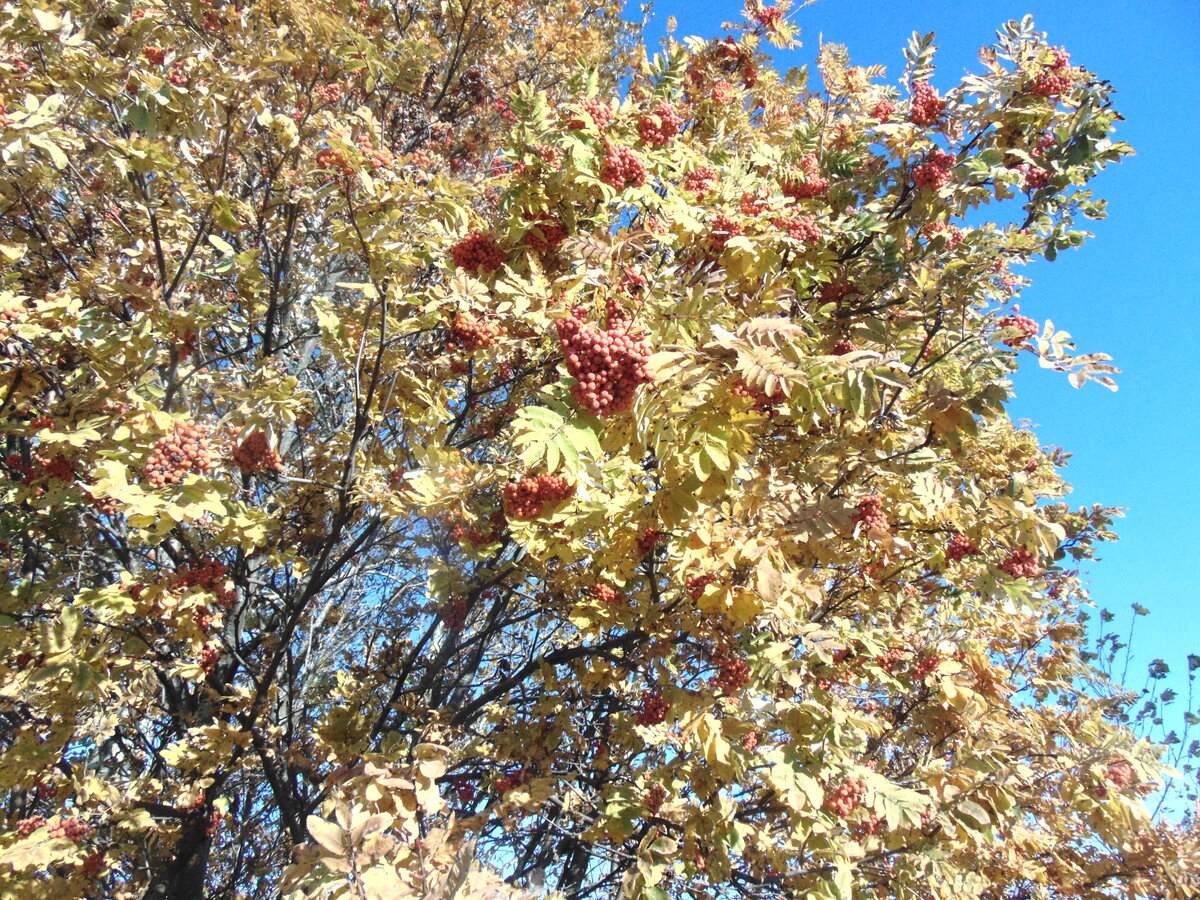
(601, 113)
(154, 55)
(1021, 564)
(526, 498)
(844, 346)
(806, 181)
(506, 783)
(607, 595)
(926, 665)
(935, 171)
(696, 585)
(545, 235)
(208, 575)
(892, 659)
(927, 106)
(74, 829)
(870, 513)
(871, 825)
(836, 291)
(960, 546)
(768, 17)
(660, 125)
(954, 235)
(26, 827)
(186, 449)
(700, 181)
(732, 675)
(1053, 80)
(799, 228)
(454, 614)
(58, 466)
(763, 402)
(753, 204)
(209, 657)
(465, 788)
(654, 708)
(1027, 325)
(462, 532)
(654, 799)
(608, 366)
(846, 797)
(178, 76)
(1120, 772)
(883, 110)
(255, 454)
(470, 334)
(328, 158)
(379, 158)
(649, 539)
(721, 230)
(750, 741)
(622, 167)
(1035, 176)
(477, 252)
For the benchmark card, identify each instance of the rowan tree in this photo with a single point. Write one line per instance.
(450, 446)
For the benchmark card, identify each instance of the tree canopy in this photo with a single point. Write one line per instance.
(451, 448)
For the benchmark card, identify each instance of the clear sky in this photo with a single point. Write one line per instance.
(1130, 292)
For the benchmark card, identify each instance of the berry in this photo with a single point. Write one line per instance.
(26, 827)
(622, 167)
(925, 666)
(926, 107)
(470, 334)
(844, 346)
(648, 540)
(74, 829)
(607, 595)
(545, 235)
(1020, 563)
(512, 780)
(799, 228)
(654, 708)
(870, 514)
(700, 181)
(768, 17)
(722, 229)
(806, 181)
(477, 252)
(883, 110)
(836, 291)
(1027, 325)
(846, 797)
(654, 799)
(209, 657)
(328, 158)
(660, 125)
(1054, 79)
(696, 585)
(526, 498)
(186, 449)
(959, 547)
(454, 614)
(1120, 773)
(154, 55)
(608, 366)
(763, 402)
(1035, 177)
(732, 675)
(935, 171)
(255, 454)
(601, 113)
(208, 575)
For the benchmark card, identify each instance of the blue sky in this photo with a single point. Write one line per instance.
(1131, 292)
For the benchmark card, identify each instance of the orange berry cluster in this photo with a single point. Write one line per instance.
(186, 449)
(506, 783)
(649, 539)
(960, 546)
(208, 575)
(836, 291)
(1021, 564)
(763, 402)
(379, 158)
(697, 583)
(608, 366)
(329, 92)
(1120, 772)
(255, 454)
(873, 824)
(846, 797)
(26, 827)
(844, 346)
(545, 235)
(622, 167)
(870, 513)
(58, 466)
(700, 181)
(722, 229)
(607, 595)
(654, 799)
(470, 334)
(525, 499)
(454, 614)
(10, 312)
(477, 252)
(209, 657)
(1054, 79)
(1035, 176)
(768, 17)
(892, 659)
(154, 55)
(732, 675)
(660, 125)
(74, 829)
(601, 113)
(329, 158)
(883, 110)
(954, 234)
(935, 171)
(926, 665)
(750, 741)
(654, 708)
(806, 181)
(1026, 324)
(927, 106)
(799, 228)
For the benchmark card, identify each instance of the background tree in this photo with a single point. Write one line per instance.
(421, 448)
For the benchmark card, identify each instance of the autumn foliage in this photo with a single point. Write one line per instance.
(450, 448)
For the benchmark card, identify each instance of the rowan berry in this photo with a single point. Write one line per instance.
(622, 167)
(1020, 563)
(525, 499)
(935, 172)
(659, 126)
(870, 514)
(254, 454)
(927, 107)
(1028, 326)
(478, 252)
(805, 180)
(608, 366)
(186, 449)
(700, 181)
(846, 797)
(654, 708)
(960, 547)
